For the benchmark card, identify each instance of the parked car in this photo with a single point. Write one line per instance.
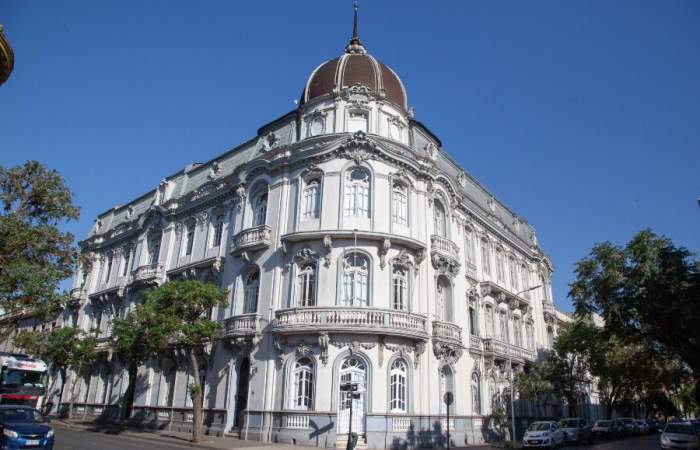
(641, 427)
(695, 424)
(543, 434)
(628, 422)
(603, 428)
(655, 426)
(619, 427)
(24, 427)
(679, 435)
(576, 430)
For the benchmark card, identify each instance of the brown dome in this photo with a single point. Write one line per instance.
(355, 68)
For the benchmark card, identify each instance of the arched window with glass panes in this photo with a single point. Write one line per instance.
(357, 193)
(260, 208)
(311, 199)
(306, 285)
(399, 287)
(399, 204)
(500, 269)
(398, 386)
(485, 257)
(355, 289)
(488, 314)
(525, 281)
(443, 299)
(250, 292)
(513, 270)
(517, 331)
(301, 389)
(439, 219)
(217, 230)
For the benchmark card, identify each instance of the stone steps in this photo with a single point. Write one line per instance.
(341, 442)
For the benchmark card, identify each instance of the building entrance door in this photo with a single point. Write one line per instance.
(353, 370)
(242, 392)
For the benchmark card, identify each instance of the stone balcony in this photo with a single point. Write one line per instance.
(244, 325)
(447, 331)
(147, 274)
(78, 294)
(444, 255)
(251, 239)
(549, 310)
(475, 343)
(355, 320)
(501, 350)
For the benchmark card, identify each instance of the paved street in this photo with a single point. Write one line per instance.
(76, 439)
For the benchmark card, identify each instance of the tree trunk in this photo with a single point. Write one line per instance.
(64, 380)
(71, 396)
(197, 426)
(128, 400)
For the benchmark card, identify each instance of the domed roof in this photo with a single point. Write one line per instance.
(355, 66)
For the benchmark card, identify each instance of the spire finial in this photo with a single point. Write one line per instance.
(355, 46)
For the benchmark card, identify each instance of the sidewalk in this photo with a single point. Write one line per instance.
(210, 442)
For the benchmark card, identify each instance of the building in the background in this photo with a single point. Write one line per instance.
(354, 249)
(7, 57)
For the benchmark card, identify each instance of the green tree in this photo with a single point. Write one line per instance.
(175, 315)
(534, 384)
(572, 359)
(646, 291)
(35, 256)
(68, 349)
(143, 333)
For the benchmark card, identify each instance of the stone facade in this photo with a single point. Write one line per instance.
(353, 248)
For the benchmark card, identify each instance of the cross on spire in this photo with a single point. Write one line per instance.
(355, 46)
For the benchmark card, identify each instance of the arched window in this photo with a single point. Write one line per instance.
(108, 270)
(503, 326)
(446, 385)
(493, 392)
(260, 209)
(125, 261)
(500, 270)
(485, 259)
(302, 389)
(530, 330)
(399, 204)
(355, 280)
(517, 332)
(442, 299)
(526, 281)
(357, 190)
(398, 386)
(352, 370)
(306, 285)
(469, 246)
(217, 229)
(489, 320)
(439, 220)
(473, 321)
(311, 203)
(399, 287)
(189, 238)
(513, 269)
(476, 394)
(252, 287)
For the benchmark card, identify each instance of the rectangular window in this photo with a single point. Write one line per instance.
(357, 121)
(108, 272)
(399, 205)
(485, 261)
(125, 263)
(310, 201)
(469, 247)
(153, 251)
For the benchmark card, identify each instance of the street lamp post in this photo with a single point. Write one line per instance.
(353, 392)
(510, 365)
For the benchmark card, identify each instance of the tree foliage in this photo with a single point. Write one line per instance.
(174, 316)
(648, 293)
(35, 256)
(534, 384)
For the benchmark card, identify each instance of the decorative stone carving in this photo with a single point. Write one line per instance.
(306, 256)
(214, 170)
(206, 190)
(444, 265)
(269, 142)
(358, 147)
(462, 179)
(201, 218)
(382, 251)
(419, 350)
(323, 341)
(312, 171)
(303, 349)
(402, 259)
(380, 351)
(328, 246)
(491, 202)
(401, 349)
(446, 352)
(240, 196)
(358, 94)
(430, 150)
(353, 346)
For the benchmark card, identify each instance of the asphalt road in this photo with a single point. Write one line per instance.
(74, 439)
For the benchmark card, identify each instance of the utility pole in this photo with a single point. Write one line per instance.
(448, 398)
(353, 393)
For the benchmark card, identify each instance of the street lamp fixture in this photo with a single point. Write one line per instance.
(510, 365)
(353, 390)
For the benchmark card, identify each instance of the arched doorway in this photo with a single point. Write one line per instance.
(242, 392)
(352, 370)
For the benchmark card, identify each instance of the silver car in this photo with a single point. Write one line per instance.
(679, 435)
(543, 434)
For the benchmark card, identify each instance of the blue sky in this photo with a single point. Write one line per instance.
(583, 117)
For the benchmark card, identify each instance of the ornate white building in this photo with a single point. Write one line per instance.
(353, 248)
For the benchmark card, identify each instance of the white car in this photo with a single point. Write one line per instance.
(679, 435)
(543, 434)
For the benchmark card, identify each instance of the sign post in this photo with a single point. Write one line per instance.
(353, 392)
(448, 398)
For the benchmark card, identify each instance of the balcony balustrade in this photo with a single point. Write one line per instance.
(351, 320)
(447, 331)
(548, 309)
(475, 342)
(502, 350)
(255, 238)
(444, 246)
(244, 325)
(149, 273)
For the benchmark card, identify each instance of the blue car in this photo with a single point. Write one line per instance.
(24, 427)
